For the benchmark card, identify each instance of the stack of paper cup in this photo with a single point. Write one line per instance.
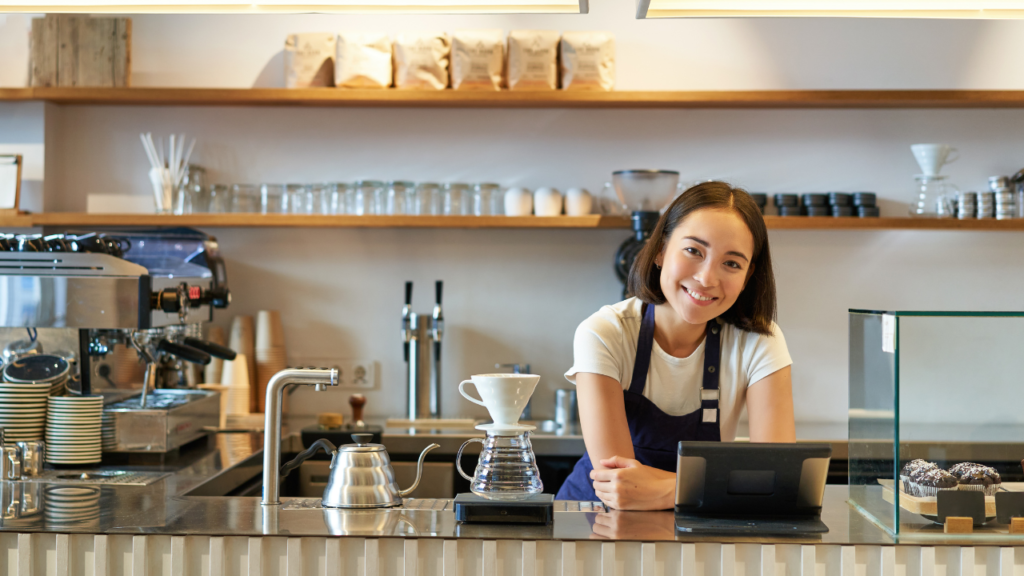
(242, 341)
(271, 354)
(213, 371)
(236, 378)
(224, 406)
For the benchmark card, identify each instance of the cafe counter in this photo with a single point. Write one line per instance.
(150, 519)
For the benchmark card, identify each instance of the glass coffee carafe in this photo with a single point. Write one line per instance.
(933, 197)
(507, 468)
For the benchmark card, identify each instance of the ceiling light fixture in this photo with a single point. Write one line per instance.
(298, 6)
(966, 9)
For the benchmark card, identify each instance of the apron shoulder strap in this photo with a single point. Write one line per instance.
(644, 347)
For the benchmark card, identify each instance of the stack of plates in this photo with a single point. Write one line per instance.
(40, 369)
(73, 429)
(23, 411)
(72, 506)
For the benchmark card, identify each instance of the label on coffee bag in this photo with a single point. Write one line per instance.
(478, 59)
(532, 60)
(588, 61)
(421, 60)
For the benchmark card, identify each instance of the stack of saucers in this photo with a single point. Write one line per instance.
(23, 411)
(73, 429)
(39, 369)
(72, 506)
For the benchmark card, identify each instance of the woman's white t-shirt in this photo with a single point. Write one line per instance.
(606, 342)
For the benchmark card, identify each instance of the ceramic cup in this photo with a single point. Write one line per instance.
(931, 157)
(504, 395)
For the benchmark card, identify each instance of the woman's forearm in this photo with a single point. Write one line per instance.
(603, 417)
(770, 408)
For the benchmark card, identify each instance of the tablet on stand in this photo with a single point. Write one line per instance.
(751, 488)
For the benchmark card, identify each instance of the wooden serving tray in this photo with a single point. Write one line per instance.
(928, 505)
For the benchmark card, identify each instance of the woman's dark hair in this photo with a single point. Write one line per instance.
(754, 310)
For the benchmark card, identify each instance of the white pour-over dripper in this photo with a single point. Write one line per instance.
(932, 157)
(505, 396)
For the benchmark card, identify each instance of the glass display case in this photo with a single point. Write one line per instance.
(944, 387)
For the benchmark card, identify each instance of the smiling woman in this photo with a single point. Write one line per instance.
(680, 360)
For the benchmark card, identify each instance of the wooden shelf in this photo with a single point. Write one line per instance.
(70, 219)
(505, 99)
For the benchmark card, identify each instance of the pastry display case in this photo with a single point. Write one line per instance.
(936, 405)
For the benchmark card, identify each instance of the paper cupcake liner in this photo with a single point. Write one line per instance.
(989, 490)
(928, 491)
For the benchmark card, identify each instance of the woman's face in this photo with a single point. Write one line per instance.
(705, 264)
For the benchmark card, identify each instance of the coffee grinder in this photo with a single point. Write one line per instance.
(505, 486)
(645, 193)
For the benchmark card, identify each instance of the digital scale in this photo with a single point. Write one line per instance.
(531, 509)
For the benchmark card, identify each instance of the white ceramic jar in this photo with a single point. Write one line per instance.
(547, 202)
(518, 202)
(578, 202)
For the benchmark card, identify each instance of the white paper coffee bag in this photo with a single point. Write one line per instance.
(588, 61)
(478, 59)
(309, 59)
(532, 60)
(363, 60)
(421, 60)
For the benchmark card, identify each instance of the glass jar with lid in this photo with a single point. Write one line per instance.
(369, 198)
(399, 192)
(457, 199)
(488, 199)
(428, 199)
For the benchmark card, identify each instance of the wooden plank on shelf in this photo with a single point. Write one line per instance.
(67, 49)
(317, 221)
(122, 64)
(537, 99)
(16, 94)
(43, 52)
(579, 222)
(96, 52)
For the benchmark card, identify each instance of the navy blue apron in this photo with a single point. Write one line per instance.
(655, 434)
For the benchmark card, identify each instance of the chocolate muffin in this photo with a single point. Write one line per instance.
(972, 476)
(909, 469)
(928, 481)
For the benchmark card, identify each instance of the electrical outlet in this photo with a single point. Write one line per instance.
(355, 374)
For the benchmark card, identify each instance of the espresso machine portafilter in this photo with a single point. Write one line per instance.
(421, 341)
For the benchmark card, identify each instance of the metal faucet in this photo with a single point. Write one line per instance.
(421, 341)
(320, 378)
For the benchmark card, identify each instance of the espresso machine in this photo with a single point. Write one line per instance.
(149, 290)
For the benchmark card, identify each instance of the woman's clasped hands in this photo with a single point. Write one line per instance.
(626, 484)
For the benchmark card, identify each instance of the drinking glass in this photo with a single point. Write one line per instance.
(220, 198)
(320, 196)
(488, 200)
(428, 199)
(370, 197)
(398, 195)
(298, 198)
(273, 199)
(245, 198)
(188, 193)
(457, 199)
(338, 198)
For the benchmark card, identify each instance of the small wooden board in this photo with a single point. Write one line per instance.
(928, 505)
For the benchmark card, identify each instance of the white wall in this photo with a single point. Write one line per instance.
(518, 295)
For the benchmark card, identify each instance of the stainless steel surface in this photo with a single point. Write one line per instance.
(272, 422)
(171, 418)
(32, 457)
(437, 478)
(10, 462)
(91, 476)
(58, 290)
(424, 390)
(166, 507)
(362, 476)
(566, 409)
